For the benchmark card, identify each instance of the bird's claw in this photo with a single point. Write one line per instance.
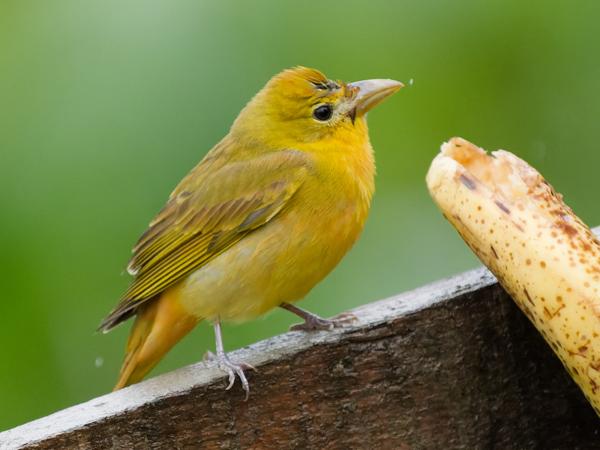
(316, 323)
(209, 356)
(232, 369)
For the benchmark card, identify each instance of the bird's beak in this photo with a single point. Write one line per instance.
(372, 92)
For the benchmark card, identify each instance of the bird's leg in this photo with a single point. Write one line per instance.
(312, 322)
(225, 364)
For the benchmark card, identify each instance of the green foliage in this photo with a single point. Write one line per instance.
(105, 105)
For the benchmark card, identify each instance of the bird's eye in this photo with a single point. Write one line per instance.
(323, 112)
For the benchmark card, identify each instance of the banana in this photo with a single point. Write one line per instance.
(543, 255)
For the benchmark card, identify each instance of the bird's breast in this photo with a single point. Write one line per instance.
(283, 260)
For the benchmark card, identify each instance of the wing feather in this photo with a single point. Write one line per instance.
(205, 215)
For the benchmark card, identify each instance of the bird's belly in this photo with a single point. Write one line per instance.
(280, 262)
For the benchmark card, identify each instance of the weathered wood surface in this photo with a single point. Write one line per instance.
(453, 365)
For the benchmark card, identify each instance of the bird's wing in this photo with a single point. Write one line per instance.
(208, 212)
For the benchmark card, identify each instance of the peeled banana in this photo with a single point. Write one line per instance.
(543, 255)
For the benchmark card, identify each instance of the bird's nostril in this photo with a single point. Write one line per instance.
(352, 115)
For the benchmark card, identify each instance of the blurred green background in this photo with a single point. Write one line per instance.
(105, 105)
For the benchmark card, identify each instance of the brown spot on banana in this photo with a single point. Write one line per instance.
(468, 182)
(502, 206)
(539, 250)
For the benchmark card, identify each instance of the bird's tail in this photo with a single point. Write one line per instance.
(159, 325)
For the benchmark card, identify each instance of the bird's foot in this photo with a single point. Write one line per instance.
(232, 369)
(312, 322)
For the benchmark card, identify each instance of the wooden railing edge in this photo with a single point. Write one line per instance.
(185, 379)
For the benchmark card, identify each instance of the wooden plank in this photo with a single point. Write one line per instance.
(451, 365)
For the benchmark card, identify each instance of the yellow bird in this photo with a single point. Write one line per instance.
(264, 217)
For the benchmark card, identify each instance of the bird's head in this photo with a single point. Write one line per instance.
(301, 106)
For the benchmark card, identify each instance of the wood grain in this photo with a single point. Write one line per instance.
(453, 365)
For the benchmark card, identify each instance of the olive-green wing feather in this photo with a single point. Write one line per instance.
(208, 212)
